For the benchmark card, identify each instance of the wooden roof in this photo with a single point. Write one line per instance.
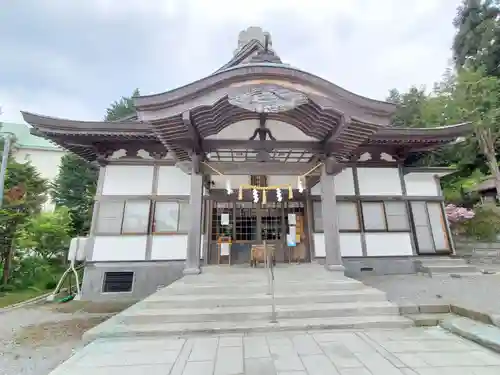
(181, 119)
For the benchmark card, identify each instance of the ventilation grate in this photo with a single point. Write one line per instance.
(118, 282)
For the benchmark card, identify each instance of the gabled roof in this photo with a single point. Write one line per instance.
(24, 139)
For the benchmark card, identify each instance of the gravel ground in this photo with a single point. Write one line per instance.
(480, 293)
(36, 339)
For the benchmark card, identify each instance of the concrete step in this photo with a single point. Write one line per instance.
(248, 313)
(175, 329)
(449, 269)
(260, 299)
(441, 261)
(261, 287)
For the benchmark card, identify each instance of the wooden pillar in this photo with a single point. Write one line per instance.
(333, 259)
(196, 210)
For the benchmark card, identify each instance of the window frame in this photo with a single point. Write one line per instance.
(148, 225)
(123, 204)
(153, 220)
(322, 230)
(443, 222)
(385, 219)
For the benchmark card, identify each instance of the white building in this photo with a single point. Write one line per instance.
(44, 155)
(263, 128)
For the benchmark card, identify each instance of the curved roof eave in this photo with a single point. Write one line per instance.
(456, 130)
(55, 124)
(255, 70)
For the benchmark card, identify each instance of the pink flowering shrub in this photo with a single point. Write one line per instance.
(482, 224)
(458, 214)
(458, 217)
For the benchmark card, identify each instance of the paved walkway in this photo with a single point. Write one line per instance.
(412, 351)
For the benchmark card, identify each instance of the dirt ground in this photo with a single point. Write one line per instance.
(37, 338)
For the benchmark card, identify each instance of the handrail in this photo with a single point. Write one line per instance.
(270, 278)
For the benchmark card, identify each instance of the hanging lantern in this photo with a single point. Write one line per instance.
(240, 193)
(290, 192)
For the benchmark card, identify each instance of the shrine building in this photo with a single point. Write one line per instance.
(259, 151)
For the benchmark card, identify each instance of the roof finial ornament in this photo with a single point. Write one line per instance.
(266, 42)
(266, 55)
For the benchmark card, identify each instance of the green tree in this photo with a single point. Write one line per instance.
(121, 108)
(411, 105)
(477, 41)
(475, 98)
(47, 234)
(74, 188)
(15, 211)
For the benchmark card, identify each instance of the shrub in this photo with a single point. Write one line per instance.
(484, 226)
(6, 288)
(51, 284)
(457, 216)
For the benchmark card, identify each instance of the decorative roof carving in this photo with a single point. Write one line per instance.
(266, 98)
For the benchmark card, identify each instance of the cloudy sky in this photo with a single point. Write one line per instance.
(73, 58)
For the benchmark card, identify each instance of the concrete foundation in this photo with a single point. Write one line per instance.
(354, 267)
(148, 277)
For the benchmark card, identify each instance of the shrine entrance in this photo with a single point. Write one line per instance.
(237, 227)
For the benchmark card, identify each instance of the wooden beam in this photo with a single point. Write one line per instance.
(188, 122)
(341, 125)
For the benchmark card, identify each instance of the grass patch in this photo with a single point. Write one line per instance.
(11, 298)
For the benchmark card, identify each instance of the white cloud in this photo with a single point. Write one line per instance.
(95, 51)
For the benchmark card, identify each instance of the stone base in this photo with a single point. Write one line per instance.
(335, 267)
(191, 271)
(148, 277)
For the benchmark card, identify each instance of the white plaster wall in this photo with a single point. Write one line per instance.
(128, 180)
(344, 184)
(422, 184)
(379, 181)
(236, 181)
(173, 181)
(388, 244)
(350, 245)
(245, 129)
(319, 244)
(46, 162)
(116, 248)
(169, 247)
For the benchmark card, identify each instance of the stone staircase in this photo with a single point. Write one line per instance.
(236, 299)
(444, 266)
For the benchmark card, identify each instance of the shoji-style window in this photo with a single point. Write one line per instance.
(123, 217)
(347, 213)
(385, 217)
(430, 227)
(171, 217)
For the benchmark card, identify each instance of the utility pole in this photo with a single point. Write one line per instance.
(5, 159)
